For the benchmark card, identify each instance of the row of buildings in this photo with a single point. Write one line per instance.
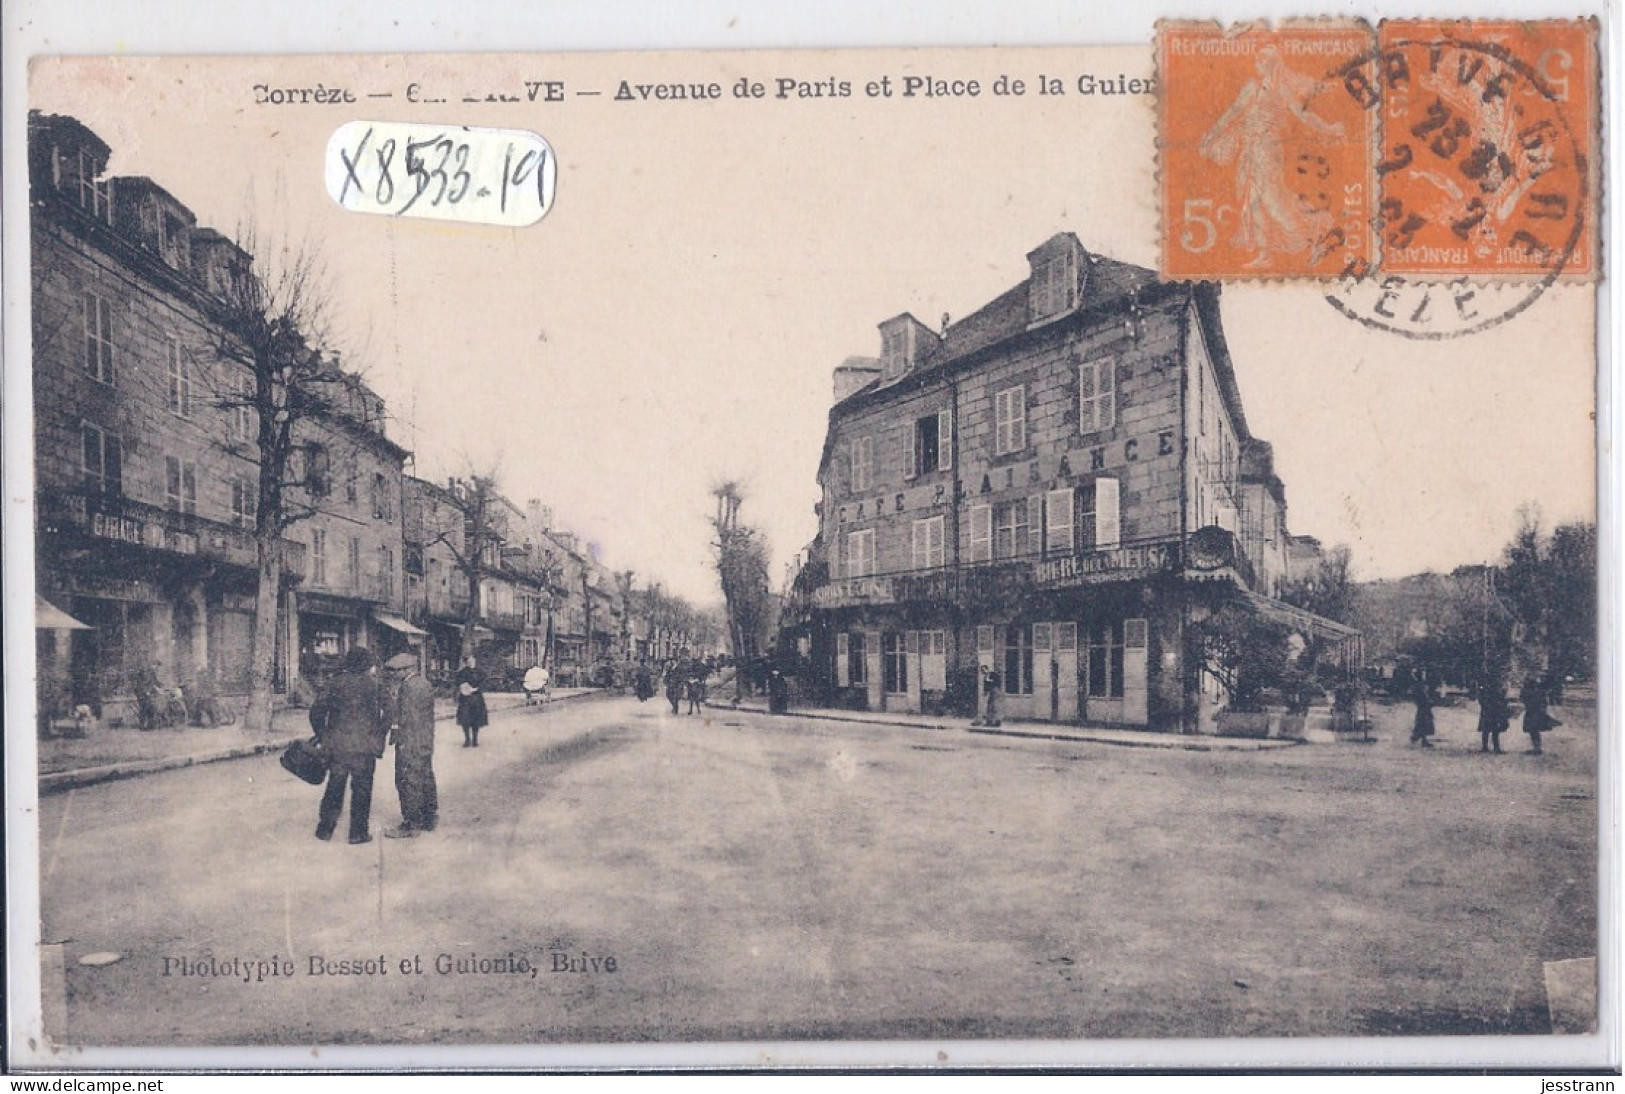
(147, 458)
(1052, 489)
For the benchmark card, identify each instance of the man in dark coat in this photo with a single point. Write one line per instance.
(1422, 696)
(349, 721)
(413, 734)
(1536, 718)
(1494, 713)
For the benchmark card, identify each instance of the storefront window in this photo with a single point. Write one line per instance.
(895, 663)
(1106, 661)
(1018, 659)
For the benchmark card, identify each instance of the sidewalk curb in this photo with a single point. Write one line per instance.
(59, 781)
(1178, 741)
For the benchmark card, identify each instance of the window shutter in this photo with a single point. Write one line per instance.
(1035, 525)
(1058, 521)
(922, 544)
(1107, 380)
(939, 552)
(1108, 531)
(1087, 390)
(113, 464)
(945, 439)
(843, 650)
(912, 467)
(981, 533)
(1018, 420)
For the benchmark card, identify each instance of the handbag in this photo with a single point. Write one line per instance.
(306, 760)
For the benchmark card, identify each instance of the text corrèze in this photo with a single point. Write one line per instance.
(258, 970)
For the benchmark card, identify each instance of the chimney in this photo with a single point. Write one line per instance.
(853, 375)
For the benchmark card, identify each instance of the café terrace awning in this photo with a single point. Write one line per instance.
(1306, 622)
(396, 623)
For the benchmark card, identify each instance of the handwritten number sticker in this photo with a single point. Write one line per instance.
(504, 177)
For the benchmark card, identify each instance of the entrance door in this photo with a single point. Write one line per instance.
(1135, 689)
(1065, 638)
(1044, 694)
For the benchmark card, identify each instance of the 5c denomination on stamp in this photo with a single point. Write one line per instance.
(1265, 165)
(503, 177)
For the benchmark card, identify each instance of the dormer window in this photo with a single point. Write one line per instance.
(95, 195)
(1055, 282)
(893, 351)
(904, 343)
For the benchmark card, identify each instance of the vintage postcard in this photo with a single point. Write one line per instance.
(1068, 555)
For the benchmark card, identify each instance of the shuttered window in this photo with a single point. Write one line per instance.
(981, 533)
(1058, 523)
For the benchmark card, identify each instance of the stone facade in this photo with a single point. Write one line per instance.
(145, 461)
(1025, 491)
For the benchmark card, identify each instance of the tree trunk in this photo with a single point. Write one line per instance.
(471, 618)
(262, 662)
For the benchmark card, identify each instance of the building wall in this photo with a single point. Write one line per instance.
(161, 555)
(1140, 450)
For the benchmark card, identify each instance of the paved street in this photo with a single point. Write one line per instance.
(762, 878)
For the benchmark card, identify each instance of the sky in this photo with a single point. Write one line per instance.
(673, 321)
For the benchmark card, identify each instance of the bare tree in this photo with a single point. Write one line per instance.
(742, 567)
(475, 540)
(271, 310)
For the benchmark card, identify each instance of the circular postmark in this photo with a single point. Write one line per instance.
(1481, 188)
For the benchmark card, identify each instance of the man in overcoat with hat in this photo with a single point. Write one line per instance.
(349, 721)
(413, 734)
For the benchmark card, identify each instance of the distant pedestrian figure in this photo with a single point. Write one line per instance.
(1422, 696)
(778, 693)
(348, 719)
(1536, 718)
(471, 714)
(993, 687)
(674, 687)
(536, 684)
(695, 690)
(413, 734)
(1493, 713)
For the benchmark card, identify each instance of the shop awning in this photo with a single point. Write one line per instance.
(396, 623)
(49, 617)
(1299, 619)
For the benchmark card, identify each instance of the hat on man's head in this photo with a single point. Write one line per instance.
(359, 659)
(401, 661)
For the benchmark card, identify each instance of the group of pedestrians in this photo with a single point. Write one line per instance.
(685, 680)
(357, 716)
(1494, 711)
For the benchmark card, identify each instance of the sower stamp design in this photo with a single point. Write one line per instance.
(1486, 155)
(1265, 160)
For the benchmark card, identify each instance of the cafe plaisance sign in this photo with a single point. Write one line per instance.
(1092, 567)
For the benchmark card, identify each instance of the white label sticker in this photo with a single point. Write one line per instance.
(504, 177)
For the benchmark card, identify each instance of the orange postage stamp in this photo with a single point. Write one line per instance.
(1487, 167)
(1265, 157)
(1423, 149)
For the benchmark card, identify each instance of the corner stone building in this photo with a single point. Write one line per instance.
(1053, 487)
(146, 472)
